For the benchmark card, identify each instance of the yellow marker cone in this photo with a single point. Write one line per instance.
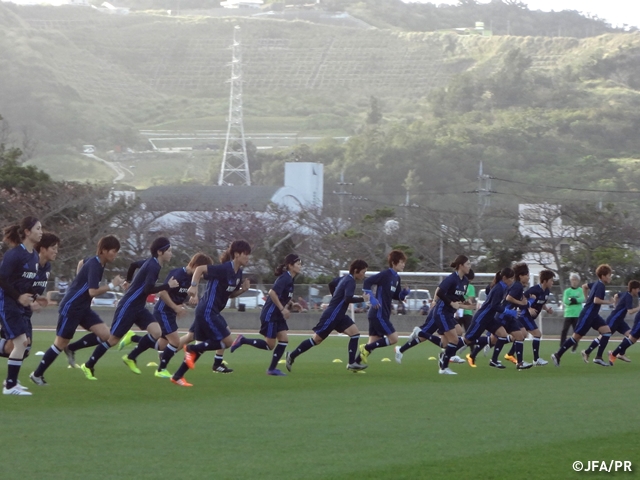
(337, 360)
(385, 360)
(152, 364)
(432, 358)
(281, 362)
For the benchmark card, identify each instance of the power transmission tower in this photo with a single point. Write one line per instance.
(235, 165)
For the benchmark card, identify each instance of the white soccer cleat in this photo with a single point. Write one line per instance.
(541, 363)
(414, 334)
(15, 391)
(457, 359)
(446, 371)
(398, 355)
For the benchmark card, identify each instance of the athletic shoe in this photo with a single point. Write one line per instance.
(181, 382)
(540, 362)
(88, 372)
(623, 357)
(556, 360)
(40, 381)
(446, 371)
(364, 353)
(19, 385)
(398, 355)
(15, 391)
(71, 357)
(471, 361)
(414, 334)
(524, 366)
(236, 343)
(496, 364)
(131, 364)
(456, 359)
(511, 358)
(126, 340)
(288, 361)
(162, 374)
(356, 366)
(602, 363)
(612, 358)
(189, 358)
(222, 369)
(276, 373)
(585, 356)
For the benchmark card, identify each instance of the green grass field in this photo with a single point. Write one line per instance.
(321, 421)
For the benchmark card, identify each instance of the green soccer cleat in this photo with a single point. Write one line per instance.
(126, 340)
(162, 373)
(88, 372)
(131, 364)
(364, 354)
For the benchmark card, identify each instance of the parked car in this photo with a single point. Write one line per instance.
(413, 302)
(252, 298)
(107, 299)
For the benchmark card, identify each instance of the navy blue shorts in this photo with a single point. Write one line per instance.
(620, 326)
(325, 327)
(494, 325)
(271, 329)
(444, 318)
(587, 323)
(379, 327)
(69, 322)
(14, 319)
(512, 324)
(168, 321)
(123, 322)
(528, 323)
(635, 331)
(212, 328)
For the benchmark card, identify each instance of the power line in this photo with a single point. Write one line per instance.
(538, 185)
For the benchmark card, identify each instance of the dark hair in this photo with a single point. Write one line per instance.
(634, 284)
(47, 240)
(14, 234)
(108, 243)
(546, 275)
(357, 266)
(238, 246)
(603, 270)
(200, 259)
(460, 260)
(520, 269)
(505, 272)
(290, 259)
(470, 276)
(159, 245)
(395, 257)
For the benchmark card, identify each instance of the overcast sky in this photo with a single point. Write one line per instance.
(616, 12)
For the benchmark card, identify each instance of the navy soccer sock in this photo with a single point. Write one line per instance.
(136, 338)
(181, 371)
(97, 354)
(48, 358)
(502, 341)
(353, 347)
(167, 355)
(409, 344)
(277, 354)
(255, 342)
(202, 347)
(460, 344)
(603, 344)
(217, 361)
(13, 369)
(303, 347)
(145, 344)
(449, 352)
(512, 350)
(536, 348)
(518, 346)
(622, 348)
(383, 342)
(570, 342)
(593, 346)
(89, 340)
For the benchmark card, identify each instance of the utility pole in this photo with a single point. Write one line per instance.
(342, 192)
(235, 165)
(484, 195)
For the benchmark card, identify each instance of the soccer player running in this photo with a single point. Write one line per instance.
(633, 336)
(210, 327)
(388, 288)
(590, 318)
(132, 309)
(335, 317)
(18, 270)
(170, 306)
(536, 297)
(75, 308)
(451, 294)
(274, 315)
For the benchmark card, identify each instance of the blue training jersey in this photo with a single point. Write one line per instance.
(89, 277)
(222, 282)
(493, 303)
(135, 298)
(179, 294)
(625, 303)
(452, 289)
(516, 290)
(389, 287)
(19, 268)
(541, 295)
(590, 308)
(343, 295)
(284, 289)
